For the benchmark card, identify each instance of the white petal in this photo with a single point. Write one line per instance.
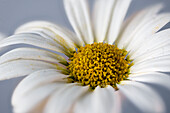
(152, 54)
(31, 54)
(19, 68)
(79, 17)
(32, 39)
(144, 97)
(157, 64)
(118, 14)
(84, 104)
(61, 35)
(147, 30)
(101, 18)
(36, 80)
(155, 78)
(63, 100)
(34, 98)
(159, 40)
(135, 23)
(101, 100)
(118, 102)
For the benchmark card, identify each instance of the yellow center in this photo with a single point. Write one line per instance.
(99, 64)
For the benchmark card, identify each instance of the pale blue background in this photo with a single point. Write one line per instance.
(16, 12)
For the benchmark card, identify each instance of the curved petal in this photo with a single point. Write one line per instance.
(157, 64)
(159, 40)
(62, 101)
(79, 17)
(32, 39)
(35, 88)
(101, 18)
(142, 96)
(36, 80)
(84, 104)
(31, 54)
(135, 23)
(34, 98)
(19, 68)
(60, 35)
(118, 102)
(152, 54)
(101, 100)
(147, 30)
(154, 77)
(117, 17)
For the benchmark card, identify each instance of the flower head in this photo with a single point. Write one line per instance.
(106, 59)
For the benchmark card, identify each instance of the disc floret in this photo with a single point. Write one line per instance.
(99, 64)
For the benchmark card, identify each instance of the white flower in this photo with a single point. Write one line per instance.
(97, 75)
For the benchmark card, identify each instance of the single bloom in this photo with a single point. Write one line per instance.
(94, 69)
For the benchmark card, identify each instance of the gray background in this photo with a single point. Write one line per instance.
(16, 12)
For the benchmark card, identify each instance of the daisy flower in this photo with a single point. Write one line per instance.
(93, 69)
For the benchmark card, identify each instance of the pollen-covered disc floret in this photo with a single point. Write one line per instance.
(99, 64)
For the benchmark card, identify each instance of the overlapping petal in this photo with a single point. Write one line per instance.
(101, 18)
(79, 16)
(147, 30)
(63, 100)
(154, 65)
(45, 89)
(61, 36)
(19, 68)
(134, 24)
(142, 96)
(32, 39)
(108, 19)
(101, 100)
(161, 79)
(32, 54)
(35, 89)
(159, 41)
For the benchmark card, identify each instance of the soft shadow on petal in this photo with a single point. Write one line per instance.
(153, 78)
(156, 64)
(79, 16)
(34, 98)
(62, 100)
(135, 23)
(156, 53)
(32, 39)
(147, 30)
(142, 96)
(101, 100)
(117, 17)
(159, 41)
(31, 54)
(102, 14)
(34, 89)
(19, 68)
(60, 35)
(38, 79)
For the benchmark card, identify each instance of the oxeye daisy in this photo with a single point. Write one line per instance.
(89, 71)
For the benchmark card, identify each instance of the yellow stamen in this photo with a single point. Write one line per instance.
(99, 64)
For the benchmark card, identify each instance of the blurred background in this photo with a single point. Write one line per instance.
(14, 13)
